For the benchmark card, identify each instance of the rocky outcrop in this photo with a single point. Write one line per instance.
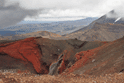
(106, 59)
(53, 69)
(26, 50)
(43, 52)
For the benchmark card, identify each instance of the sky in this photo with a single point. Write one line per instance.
(15, 11)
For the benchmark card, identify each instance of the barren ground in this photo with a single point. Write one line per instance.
(7, 77)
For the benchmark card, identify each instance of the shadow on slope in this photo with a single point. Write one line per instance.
(42, 52)
(108, 58)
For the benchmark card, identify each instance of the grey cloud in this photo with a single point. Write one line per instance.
(10, 15)
(116, 13)
(14, 13)
(2, 2)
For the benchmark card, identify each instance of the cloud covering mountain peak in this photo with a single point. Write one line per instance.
(18, 10)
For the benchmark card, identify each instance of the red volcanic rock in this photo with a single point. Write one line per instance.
(42, 52)
(26, 50)
(106, 59)
(62, 67)
(79, 56)
(63, 64)
(82, 60)
(84, 56)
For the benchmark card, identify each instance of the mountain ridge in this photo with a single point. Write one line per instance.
(101, 29)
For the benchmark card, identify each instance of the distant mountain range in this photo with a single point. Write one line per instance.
(62, 27)
(46, 30)
(105, 28)
(44, 34)
(102, 29)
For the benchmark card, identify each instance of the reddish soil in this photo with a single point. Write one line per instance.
(97, 58)
(26, 50)
(94, 62)
(41, 53)
(101, 60)
(82, 60)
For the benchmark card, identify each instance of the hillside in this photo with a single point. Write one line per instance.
(74, 51)
(61, 27)
(106, 59)
(52, 30)
(99, 32)
(37, 56)
(43, 50)
(44, 34)
(22, 59)
(102, 29)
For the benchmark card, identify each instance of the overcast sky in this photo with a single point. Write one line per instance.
(18, 10)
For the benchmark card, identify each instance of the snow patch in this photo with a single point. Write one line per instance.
(118, 19)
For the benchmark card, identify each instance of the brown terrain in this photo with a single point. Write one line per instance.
(106, 59)
(8, 77)
(96, 31)
(102, 29)
(44, 34)
(99, 32)
(41, 52)
(29, 60)
(94, 54)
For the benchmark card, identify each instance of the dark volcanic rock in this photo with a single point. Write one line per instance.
(42, 52)
(53, 69)
(26, 50)
(106, 59)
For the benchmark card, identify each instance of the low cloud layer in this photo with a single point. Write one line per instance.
(91, 8)
(118, 13)
(14, 11)
(12, 14)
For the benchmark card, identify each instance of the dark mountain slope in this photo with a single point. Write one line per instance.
(93, 58)
(41, 53)
(105, 59)
(100, 32)
(102, 29)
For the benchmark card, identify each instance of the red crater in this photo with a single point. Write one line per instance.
(26, 50)
(42, 52)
